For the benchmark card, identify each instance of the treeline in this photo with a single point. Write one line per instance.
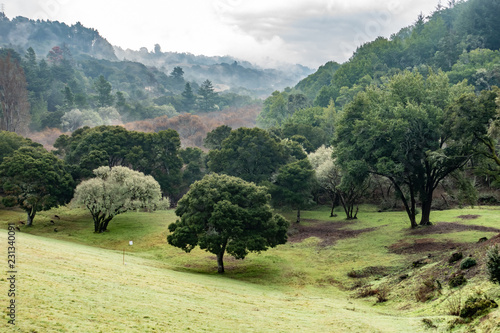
(254, 155)
(417, 141)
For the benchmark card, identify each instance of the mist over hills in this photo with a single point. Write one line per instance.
(225, 72)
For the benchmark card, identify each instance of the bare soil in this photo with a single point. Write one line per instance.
(328, 232)
(468, 217)
(424, 245)
(449, 227)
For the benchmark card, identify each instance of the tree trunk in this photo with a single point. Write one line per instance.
(298, 215)
(105, 223)
(333, 198)
(31, 216)
(410, 211)
(426, 210)
(333, 207)
(220, 256)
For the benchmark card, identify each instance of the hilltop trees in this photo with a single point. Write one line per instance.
(207, 96)
(35, 180)
(114, 191)
(223, 214)
(103, 89)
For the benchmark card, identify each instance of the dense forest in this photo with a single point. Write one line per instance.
(407, 122)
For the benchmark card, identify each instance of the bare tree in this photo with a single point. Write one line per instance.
(14, 105)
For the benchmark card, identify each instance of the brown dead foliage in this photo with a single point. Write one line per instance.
(193, 128)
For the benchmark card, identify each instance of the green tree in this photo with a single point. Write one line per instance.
(114, 191)
(194, 166)
(293, 185)
(177, 73)
(402, 131)
(249, 153)
(188, 98)
(275, 111)
(36, 180)
(10, 142)
(103, 90)
(223, 214)
(215, 137)
(207, 97)
(155, 154)
(478, 116)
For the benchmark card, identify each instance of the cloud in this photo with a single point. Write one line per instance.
(309, 32)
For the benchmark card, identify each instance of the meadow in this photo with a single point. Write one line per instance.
(72, 280)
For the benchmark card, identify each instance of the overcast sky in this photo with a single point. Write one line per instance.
(308, 32)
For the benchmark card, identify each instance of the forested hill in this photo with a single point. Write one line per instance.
(20, 33)
(225, 72)
(461, 39)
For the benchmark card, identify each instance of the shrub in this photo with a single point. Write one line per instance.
(468, 263)
(426, 291)
(367, 292)
(428, 323)
(488, 199)
(382, 294)
(455, 304)
(493, 264)
(455, 257)
(475, 305)
(456, 280)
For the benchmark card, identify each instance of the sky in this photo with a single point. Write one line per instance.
(265, 32)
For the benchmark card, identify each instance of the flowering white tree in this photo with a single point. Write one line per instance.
(327, 173)
(114, 191)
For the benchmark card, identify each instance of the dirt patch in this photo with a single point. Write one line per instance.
(468, 217)
(328, 232)
(423, 245)
(449, 227)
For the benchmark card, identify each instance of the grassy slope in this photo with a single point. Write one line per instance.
(71, 286)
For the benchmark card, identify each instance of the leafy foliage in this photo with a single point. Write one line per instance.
(114, 191)
(293, 185)
(403, 131)
(249, 153)
(222, 213)
(36, 180)
(155, 154)
(493, 264)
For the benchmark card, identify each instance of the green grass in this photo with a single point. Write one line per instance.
(74, 280)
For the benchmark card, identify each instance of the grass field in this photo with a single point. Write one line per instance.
(74, 280)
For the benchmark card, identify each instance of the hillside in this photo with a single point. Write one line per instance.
(77, 280)
(460, 39)
(226, 72)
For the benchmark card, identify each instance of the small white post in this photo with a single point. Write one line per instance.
(130, 243)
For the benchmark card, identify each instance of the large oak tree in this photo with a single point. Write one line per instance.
(221, 213)
(404, 131)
